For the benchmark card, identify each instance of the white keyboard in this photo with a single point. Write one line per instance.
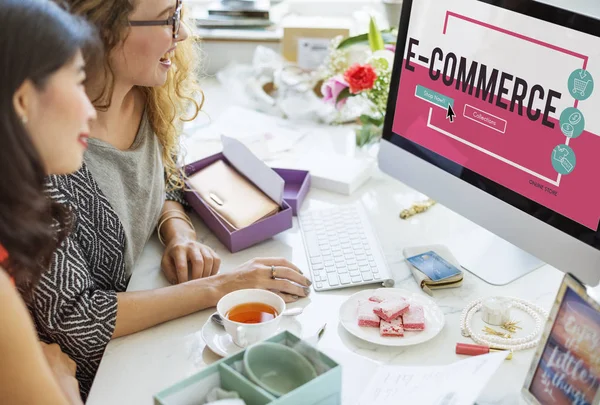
(342, 248)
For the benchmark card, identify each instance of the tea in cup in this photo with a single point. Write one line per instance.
(250, 315)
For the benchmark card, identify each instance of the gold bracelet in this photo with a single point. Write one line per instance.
(184, 218)
(168, 211)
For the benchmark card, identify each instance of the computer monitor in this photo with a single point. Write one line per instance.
(493, 112)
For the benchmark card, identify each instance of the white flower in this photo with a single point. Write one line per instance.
(383, 58)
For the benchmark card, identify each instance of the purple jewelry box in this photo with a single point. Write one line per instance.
(297, 183)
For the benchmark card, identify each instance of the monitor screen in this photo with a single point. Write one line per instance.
(501, 94)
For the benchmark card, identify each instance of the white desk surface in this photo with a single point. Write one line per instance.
(136, 367)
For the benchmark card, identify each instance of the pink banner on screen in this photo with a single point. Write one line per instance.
(503, 146)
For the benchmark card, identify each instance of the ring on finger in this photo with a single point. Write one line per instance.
(273, 275)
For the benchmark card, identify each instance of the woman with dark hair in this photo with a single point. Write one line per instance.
(44, 122)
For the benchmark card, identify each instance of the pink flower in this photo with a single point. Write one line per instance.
(332, 88)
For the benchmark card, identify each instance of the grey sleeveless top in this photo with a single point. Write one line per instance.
(133, 182)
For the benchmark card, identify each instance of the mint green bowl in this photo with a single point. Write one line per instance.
(277, 368)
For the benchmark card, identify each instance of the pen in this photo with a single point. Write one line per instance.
(475, 350)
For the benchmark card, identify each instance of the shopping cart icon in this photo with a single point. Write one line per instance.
(579, 86)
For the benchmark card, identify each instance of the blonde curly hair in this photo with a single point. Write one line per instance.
(168, 106)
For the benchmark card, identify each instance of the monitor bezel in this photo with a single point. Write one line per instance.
(530, 8)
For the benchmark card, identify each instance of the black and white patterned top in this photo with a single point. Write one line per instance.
(75, 303)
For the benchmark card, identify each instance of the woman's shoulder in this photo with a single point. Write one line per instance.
(8, 292)
(64, 187)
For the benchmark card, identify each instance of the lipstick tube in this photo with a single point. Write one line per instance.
(476, 350)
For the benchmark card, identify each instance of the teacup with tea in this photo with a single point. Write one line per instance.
(250, 315)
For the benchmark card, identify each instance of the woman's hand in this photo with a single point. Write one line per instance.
(181, 251)
(288, 281)
(64, 370)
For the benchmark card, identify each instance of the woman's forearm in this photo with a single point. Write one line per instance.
(175, 227)
(141, 310)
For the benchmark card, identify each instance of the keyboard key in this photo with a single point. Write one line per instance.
(357, 279)
(352, 267)
(372, 264)
(312, 245)
(331, 269)
(319, 285)
(329, 263)
(375, 270)
(355, 273)
(367, 276)
(342, 270)
(318, 266)
(345, 278)
(377, 276)
(362, 262)
(341, 265)
(365, 269)
(333, 279)
(316, 260)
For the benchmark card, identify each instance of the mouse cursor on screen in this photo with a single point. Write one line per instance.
(450, 114)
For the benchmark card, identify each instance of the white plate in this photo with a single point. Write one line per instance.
(434, 318)
(220, 342)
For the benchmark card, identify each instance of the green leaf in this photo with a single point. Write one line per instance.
(388, 36)
(344, 94)
(368, 134)
(367, 119)
(375, 39)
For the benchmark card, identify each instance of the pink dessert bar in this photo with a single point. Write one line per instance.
(414, 319)
(366, 316)
(393, 328)
(376, 298)
(391, 309)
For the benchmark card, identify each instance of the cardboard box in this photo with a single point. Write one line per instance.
(306, 38)
(324, 390)
(337, 173)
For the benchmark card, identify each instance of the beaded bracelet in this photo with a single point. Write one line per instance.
(514, 344)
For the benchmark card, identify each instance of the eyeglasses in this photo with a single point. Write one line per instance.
(175, 21)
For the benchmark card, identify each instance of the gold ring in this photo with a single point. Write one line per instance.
(273, 272)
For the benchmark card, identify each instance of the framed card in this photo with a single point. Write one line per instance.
(566, 366)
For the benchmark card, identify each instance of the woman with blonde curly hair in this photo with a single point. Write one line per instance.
(128, 186)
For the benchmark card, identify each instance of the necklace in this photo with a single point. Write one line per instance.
(504, 343)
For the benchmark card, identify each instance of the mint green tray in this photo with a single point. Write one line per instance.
(323, 390)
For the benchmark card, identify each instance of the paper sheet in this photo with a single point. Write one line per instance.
(264, 134)
(456, 384)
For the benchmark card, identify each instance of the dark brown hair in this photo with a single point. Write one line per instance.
(38, 38)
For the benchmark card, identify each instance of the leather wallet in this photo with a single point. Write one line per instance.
(234, 199)
(424, 281)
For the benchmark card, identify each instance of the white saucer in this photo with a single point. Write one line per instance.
(220, 342)
(434, 318)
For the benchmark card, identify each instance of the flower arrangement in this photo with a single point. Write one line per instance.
(361, 66)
